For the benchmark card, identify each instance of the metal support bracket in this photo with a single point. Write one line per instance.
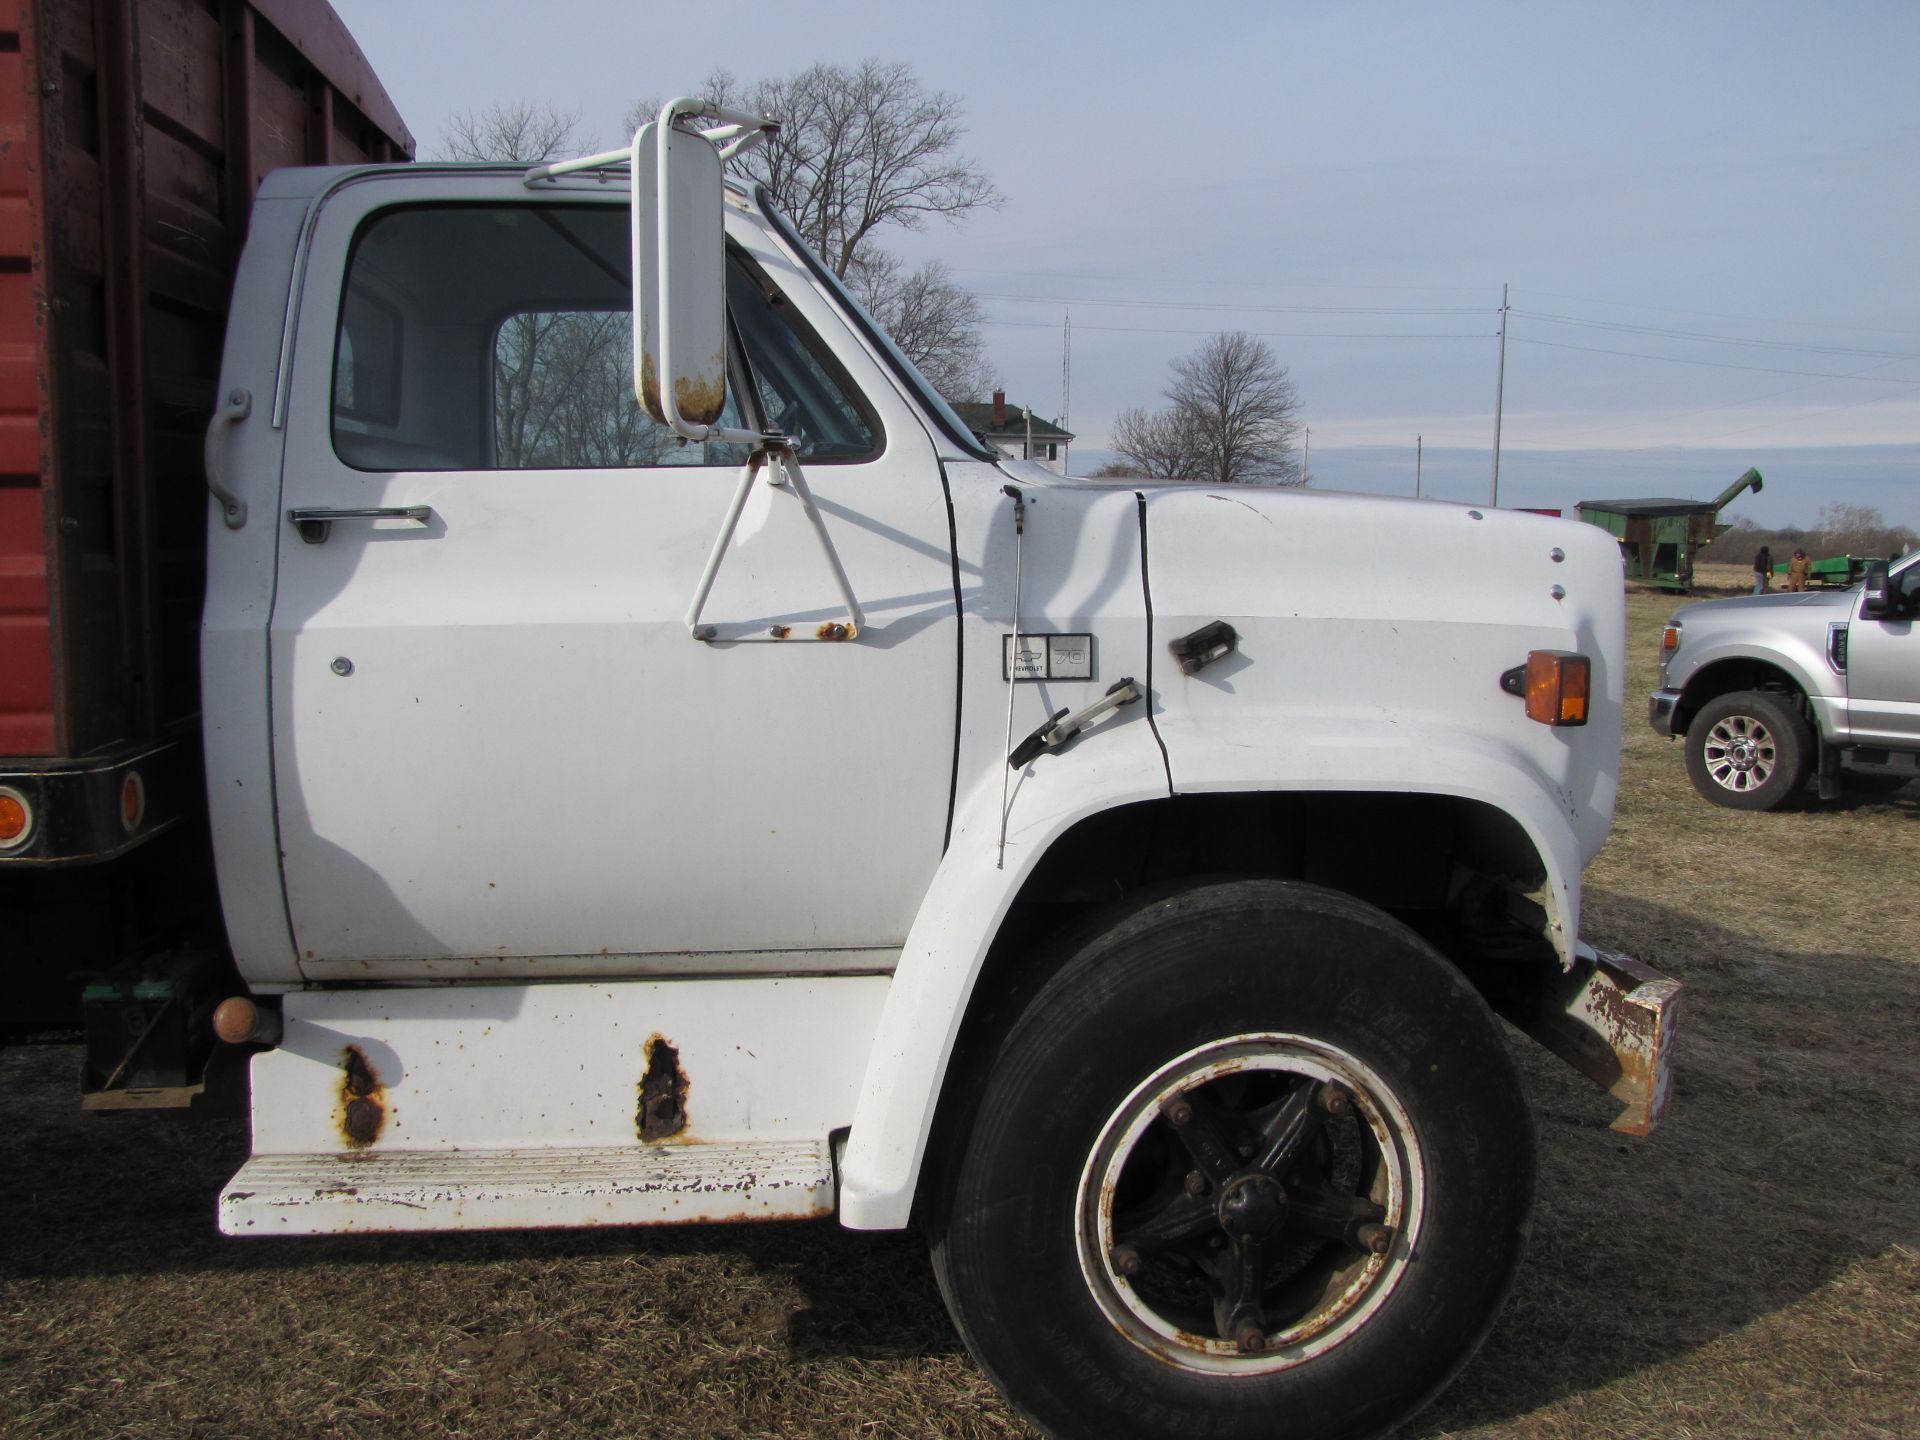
(777, 453)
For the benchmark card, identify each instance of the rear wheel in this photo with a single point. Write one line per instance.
(1255, 1161)
(1748, 750)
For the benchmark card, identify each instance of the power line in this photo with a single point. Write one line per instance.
(1621, 327)
(1236, 306)
(1714, 364)
(1279, 334)
(1723, 315)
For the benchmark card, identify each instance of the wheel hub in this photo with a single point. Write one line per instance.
(1252, 1206)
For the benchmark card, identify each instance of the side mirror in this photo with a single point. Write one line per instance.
(1876, 594)
(679, 274)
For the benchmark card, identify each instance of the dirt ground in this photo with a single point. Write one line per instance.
(1751, 1270)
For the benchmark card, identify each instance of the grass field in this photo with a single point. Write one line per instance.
(1751, 1270)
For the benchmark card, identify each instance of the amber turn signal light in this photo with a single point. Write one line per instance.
(1558, 685)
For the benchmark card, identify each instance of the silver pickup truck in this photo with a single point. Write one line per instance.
(1766, 689)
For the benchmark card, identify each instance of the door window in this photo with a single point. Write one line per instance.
(500, 338)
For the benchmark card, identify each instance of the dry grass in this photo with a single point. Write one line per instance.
(1749, 1271)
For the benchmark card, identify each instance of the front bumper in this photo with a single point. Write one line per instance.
(1613, 1019)
(1660, 708)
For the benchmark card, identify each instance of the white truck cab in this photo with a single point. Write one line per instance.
(775, 806)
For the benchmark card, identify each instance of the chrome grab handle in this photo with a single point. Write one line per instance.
(315, 525)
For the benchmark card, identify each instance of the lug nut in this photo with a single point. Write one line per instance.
(1335, 1101)
(1197, 1184)
(1377, 1238)
(1251, 1339)
(1126, 1259)
(1179, 1114)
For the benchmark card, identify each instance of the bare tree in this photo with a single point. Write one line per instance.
(1231, 421)
(1159, 445)
(1242, 408)
(935, 322)
(521, 131)
(1860, 530)
(857, 150)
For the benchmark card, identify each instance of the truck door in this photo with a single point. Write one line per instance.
(1883, 670)
(498, 751)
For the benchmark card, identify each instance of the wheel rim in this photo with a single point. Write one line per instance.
(1250, 1205)
(1740, 753)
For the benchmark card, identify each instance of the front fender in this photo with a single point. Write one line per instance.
(1374, 755)
(1117, 764)
(972, 893)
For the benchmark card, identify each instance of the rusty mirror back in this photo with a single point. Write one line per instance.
(679, 259)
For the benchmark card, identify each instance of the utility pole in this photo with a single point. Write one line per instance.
(1417, 441)
(1306, 458)
(1499, 395)
(1066, 385)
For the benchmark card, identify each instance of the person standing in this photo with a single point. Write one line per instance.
(1762, 569)
(1799, 571)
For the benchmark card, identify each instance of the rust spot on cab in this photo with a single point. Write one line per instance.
(835, 630)
(363, 1104)
(663, 1092)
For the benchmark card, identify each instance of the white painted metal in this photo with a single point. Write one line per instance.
(1081, 573)
(513, 768)
(503, 1067)
(1362, 674)
(234, 725)
(527, 1189)
(1349, 677)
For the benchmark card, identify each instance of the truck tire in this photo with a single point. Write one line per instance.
(1254, 1161)
(1748, 750)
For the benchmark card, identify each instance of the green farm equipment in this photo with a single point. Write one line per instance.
(1658, 537)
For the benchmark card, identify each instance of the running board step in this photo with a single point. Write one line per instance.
(517, 1189)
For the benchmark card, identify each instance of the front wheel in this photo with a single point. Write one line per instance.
(1748, 750)
(1254, 1162)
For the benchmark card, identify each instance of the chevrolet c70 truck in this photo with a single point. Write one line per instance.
(761, 801)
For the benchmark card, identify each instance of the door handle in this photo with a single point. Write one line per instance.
(316, 525)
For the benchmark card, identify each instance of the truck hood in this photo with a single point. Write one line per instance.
(1384, 624)
(1754, 604)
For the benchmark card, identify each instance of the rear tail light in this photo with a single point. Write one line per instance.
(16, 819)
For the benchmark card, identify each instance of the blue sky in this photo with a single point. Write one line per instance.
(1709, 214)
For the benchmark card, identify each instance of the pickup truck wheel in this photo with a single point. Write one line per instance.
(1255, 1161)
(1748, 750)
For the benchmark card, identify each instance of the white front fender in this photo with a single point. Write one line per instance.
(971, 895)
(1117, 764)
